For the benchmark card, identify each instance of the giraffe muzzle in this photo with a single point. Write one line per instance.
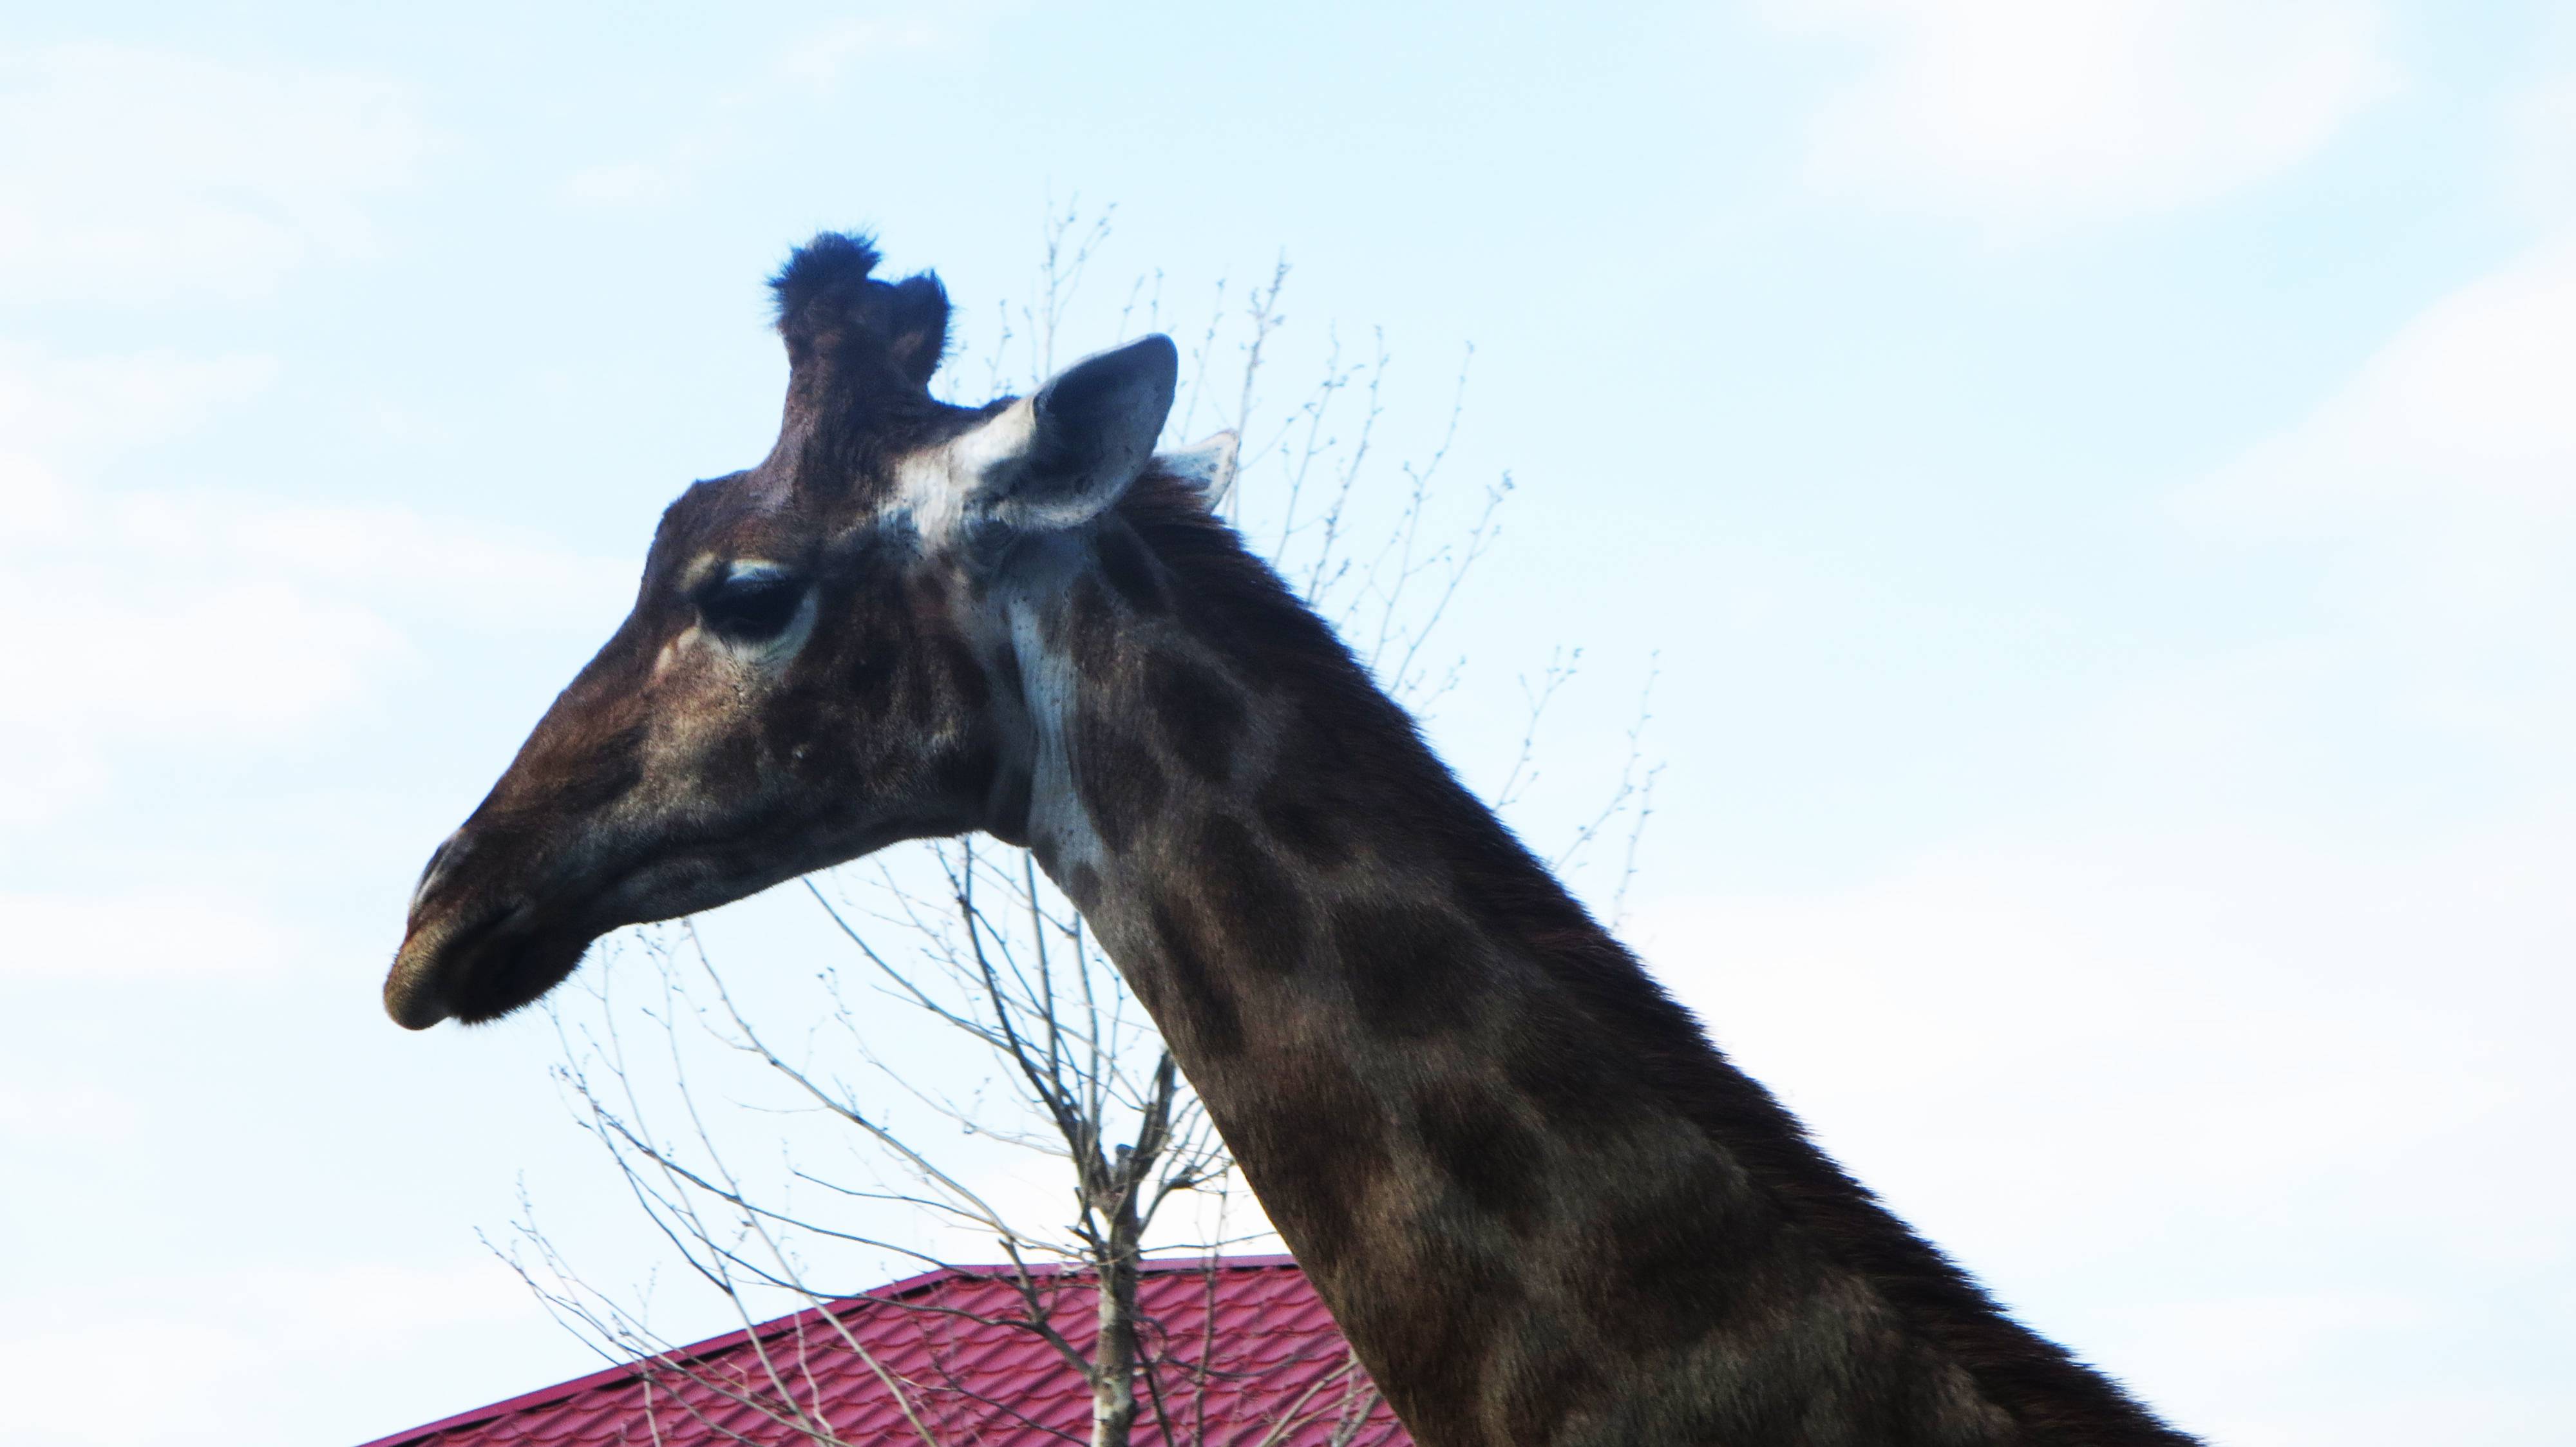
(479, 966)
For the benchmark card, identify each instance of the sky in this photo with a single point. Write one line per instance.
(2093, 483)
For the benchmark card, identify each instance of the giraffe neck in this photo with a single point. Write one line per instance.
(1540, 1204)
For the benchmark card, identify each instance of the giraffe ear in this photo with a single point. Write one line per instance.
(1208, 467)
(1063, 456)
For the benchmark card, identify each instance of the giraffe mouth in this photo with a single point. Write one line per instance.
(470, 957)
(497, 961)
(492, 932)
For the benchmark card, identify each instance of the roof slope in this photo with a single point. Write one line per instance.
(960, 1347)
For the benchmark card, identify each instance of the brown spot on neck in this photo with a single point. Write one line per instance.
(1414, 969)
(1252, 904)
(1201, 1002)
(1120, 780)
(1201, 716)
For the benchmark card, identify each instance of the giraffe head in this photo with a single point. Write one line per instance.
(816, 665)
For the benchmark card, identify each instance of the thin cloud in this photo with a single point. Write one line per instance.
(813, 67)
(626, 183)
(139, 936)
(191, 178)
(71, 410)
(824, 57)
(2028, 116)
(53, 1112)
(2462, 415)
(221, 1342)
(2161, 1089)
(188, 618)
(2539, 151)
(2434, 496)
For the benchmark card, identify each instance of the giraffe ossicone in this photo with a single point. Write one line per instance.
(1542, 1205)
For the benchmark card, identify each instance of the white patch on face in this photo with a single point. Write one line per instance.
(1056, 812)
(944, 486)
(436, 871)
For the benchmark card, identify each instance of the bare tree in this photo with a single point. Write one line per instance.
(971, 939)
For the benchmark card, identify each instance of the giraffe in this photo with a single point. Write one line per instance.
(1541, 1204)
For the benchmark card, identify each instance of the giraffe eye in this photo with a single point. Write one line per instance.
(750, 605)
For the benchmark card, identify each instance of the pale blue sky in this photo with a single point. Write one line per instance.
(2099, 479)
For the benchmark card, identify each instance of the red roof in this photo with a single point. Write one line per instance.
(961, 1345)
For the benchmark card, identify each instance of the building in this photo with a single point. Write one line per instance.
(1250, 1357)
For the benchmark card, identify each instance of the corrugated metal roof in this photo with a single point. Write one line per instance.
(1252, 1356)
